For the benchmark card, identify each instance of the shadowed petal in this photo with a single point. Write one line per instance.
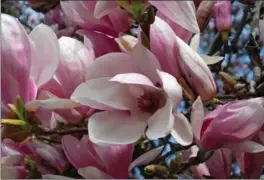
(115, 127)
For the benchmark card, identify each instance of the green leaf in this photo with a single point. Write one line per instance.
(22, 112)
(138, 7)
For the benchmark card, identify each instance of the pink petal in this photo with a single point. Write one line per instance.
(70, 116)
(146, 157)
(100, 43)
(161, 122)
(120, 19)
(110, 65)
(220, 164)
(115, 127)
(162, 45)
(182, 131)
(78, 152)
(102, 8)
(132, 78)
(246, 146)
(182, 33)
(46, 117)
(116, 159)
(52, 103)
(171, 87)
(54, 87)
(197, 117)
(91, 172)
(74, 61)
(46, 54)
(16, 60)
(146, 62)
(181, 12)
(196, 71)
(101, 91)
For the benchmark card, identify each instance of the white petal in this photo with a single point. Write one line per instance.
(11, 160)
(115, 127)
(197, 117)
(171, 87)
(74, 61)
(181, 12)
(146, 158)
(146, 62)
(126, 42)
(110, 65)
(246, 146)
(46, 54)
(212, 59)
(91, 172)
(52, 103)
(103, 91)
(195, 42)
(102, 8)
(161, 122)
(182, 131)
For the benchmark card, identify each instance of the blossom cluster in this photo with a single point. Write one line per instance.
(83, 95)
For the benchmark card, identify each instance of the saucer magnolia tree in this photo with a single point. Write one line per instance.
(126, 89)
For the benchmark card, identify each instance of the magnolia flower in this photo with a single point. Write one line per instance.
(175, 13)
(251, 164)
(102, 161)
(222, 14)
(85, 15)
(218, 166)
(139, 99)
(177, 58)
(28, 62)
(11, 168)
(13, 157)
(239, 121)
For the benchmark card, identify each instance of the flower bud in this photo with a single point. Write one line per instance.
(203, 14)
(222, 14)
(232, 124)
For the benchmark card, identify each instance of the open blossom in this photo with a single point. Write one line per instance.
(176, 58)
(222, 14)
(180, 15)
(239, 120)
(137, 97)
(84, 14)
(102, 161)
(13, 158)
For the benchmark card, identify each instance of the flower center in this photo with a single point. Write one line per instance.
(149, 103)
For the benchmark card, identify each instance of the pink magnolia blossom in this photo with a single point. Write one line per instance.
(13, 155)
(180, 15)
(93, 161)
(177, 58)
(85, 15)
(220, 164)
(137, 96)
(222, 14)
(28, 62)
(239, 120)
(251, 164)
